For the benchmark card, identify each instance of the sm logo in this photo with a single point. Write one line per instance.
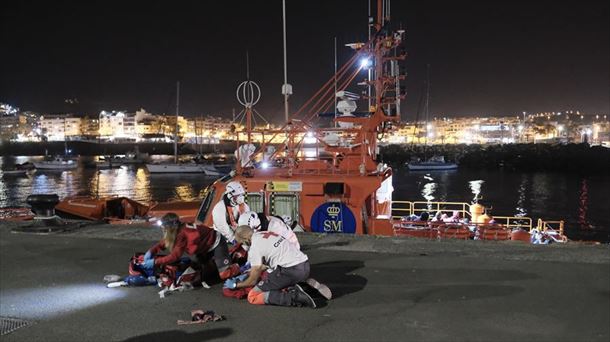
(333, 218)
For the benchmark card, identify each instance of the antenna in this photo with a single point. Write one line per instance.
(247, 66)
(286, 88)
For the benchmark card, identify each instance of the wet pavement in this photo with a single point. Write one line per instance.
(385, 289)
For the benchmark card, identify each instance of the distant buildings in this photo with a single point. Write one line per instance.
(556, 127)
(141, 126)
(60, 127)
(9, 122)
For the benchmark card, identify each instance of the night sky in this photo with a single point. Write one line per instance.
(493, 57)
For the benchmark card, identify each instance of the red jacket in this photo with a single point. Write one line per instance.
(192, 241)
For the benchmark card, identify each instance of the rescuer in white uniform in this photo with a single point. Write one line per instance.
(288, 265)
(260, 222)
(227, 211)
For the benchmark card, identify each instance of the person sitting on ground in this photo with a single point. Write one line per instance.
(438, 217)
(260, 222)
(455, 218)
(424, 216)
(288, 266)
(200, 243)
(227, 211)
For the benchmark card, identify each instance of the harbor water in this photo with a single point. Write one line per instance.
(579, 200)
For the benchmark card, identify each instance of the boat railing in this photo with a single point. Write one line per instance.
(401, 209)
(443, 207)
(550, 226)
(514, 222)
(406, 208)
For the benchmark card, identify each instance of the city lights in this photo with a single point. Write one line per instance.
(125, 127)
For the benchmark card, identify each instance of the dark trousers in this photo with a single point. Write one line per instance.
(279, 280)
(220, 255)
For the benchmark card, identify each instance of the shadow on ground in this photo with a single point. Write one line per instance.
(178, 335)
(339, 276)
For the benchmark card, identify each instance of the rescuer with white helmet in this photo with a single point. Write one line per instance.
(261, 223)
(228, 210)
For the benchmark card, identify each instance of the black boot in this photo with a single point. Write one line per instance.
(301, 298)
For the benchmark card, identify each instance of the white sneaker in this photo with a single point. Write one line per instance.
(323, 289)
(117, 284)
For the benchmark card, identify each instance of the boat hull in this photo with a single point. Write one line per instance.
(56, 166)
(104, 208)
(423, 166)
(15, 173)
(208, 170)
(186, 210)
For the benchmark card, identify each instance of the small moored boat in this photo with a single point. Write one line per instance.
(56, 164)
(434, 163)
(103, 208)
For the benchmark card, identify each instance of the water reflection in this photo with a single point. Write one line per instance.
(120, 182)
(142, 188)
(522, 192)
(475, 188)
(185, 192)
(583, 205)
(130, 181)
(428, 191)
(540, 194)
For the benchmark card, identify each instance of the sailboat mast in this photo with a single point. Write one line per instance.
(427, 99)
(65, 136)
(176, 128)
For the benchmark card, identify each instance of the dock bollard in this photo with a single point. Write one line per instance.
(43, 205)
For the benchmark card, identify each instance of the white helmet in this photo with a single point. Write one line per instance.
(235, 192)
(249, 219)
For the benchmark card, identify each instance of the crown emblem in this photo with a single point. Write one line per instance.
(333, 211)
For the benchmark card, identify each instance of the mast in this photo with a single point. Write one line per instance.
(176, 128)
(370, 70)
(335, 95)
(65, 136)
(287, 88)
(201, 134)
(427, 104)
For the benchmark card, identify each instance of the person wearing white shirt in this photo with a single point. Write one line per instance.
(288, 266)
(262, 223)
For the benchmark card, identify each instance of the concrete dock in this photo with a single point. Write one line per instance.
(393, 289)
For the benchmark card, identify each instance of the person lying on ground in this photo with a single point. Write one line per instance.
(200, 243)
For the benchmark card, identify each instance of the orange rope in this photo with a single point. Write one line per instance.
(313, 112)
(328, 85)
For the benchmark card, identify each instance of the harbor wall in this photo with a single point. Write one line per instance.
(578, 158)
(87, 148)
